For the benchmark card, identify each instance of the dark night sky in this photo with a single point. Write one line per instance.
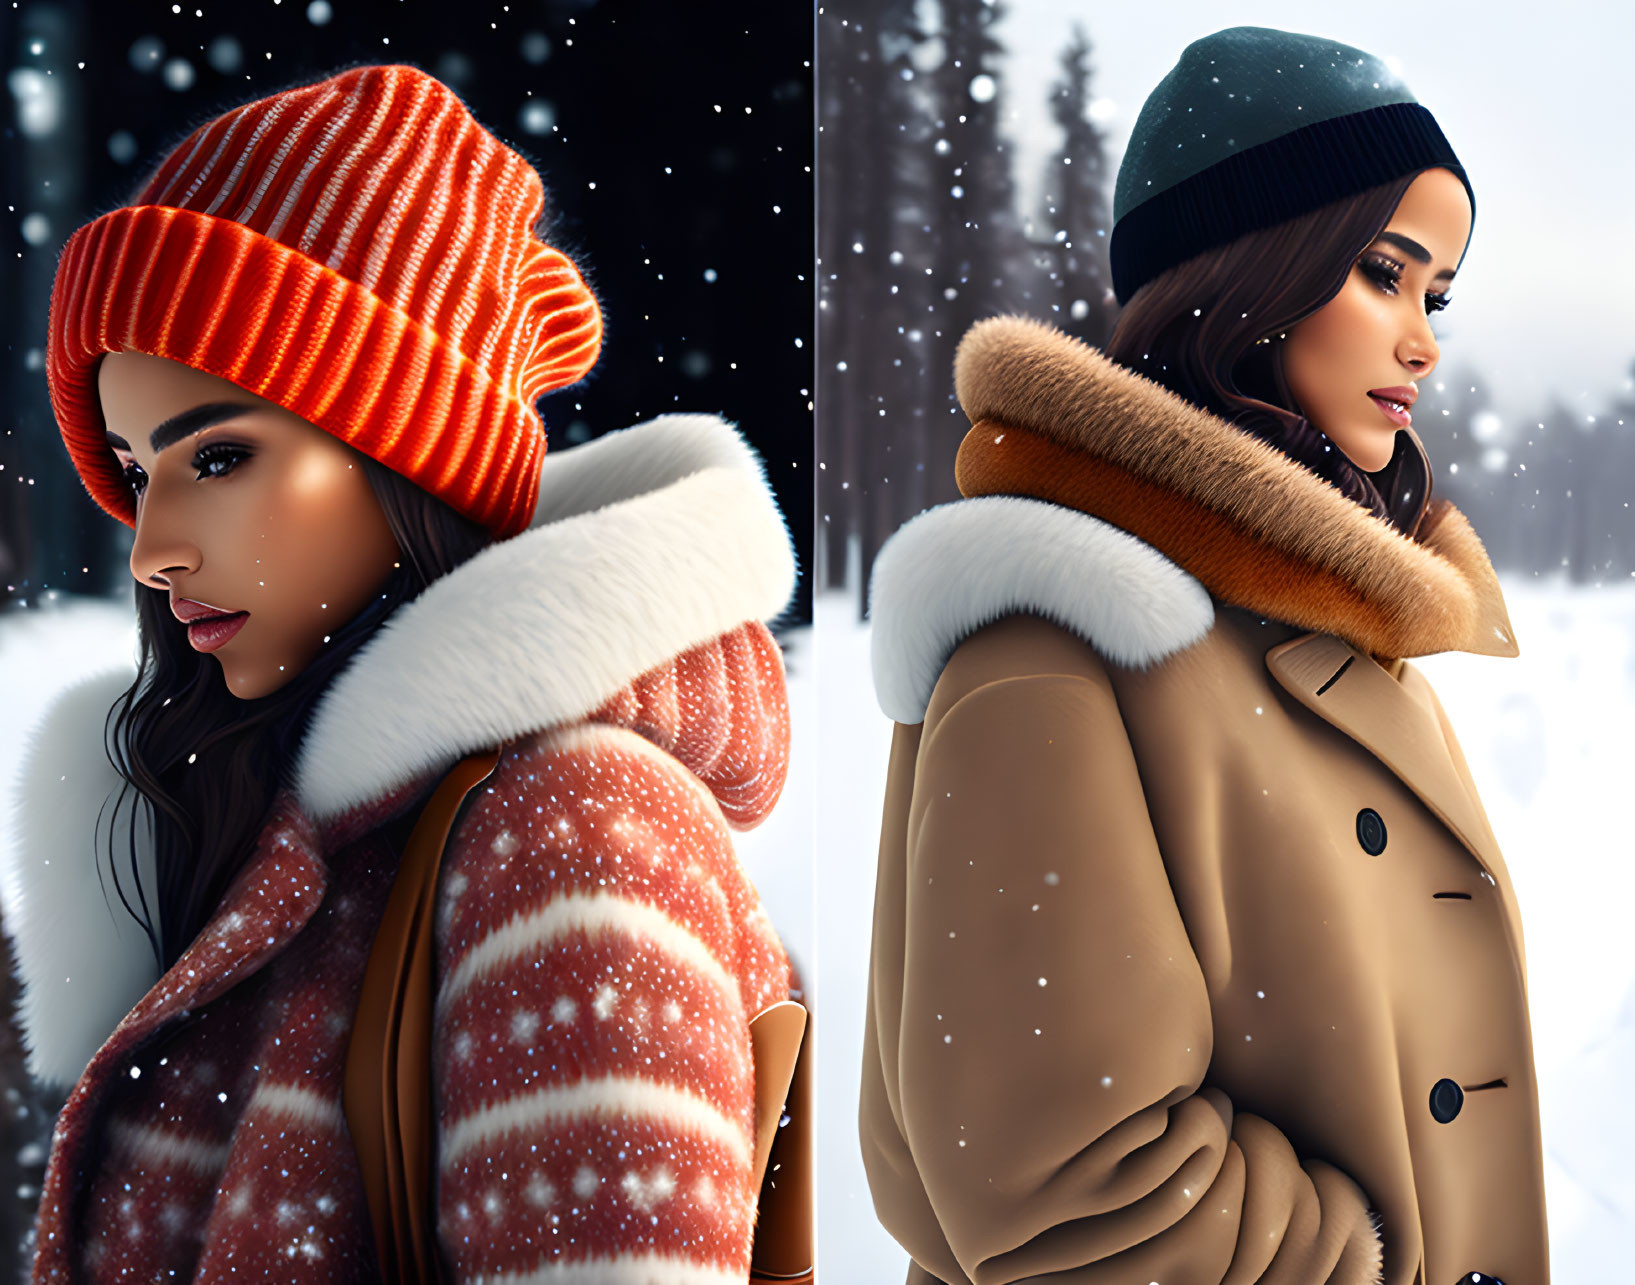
(675, 143)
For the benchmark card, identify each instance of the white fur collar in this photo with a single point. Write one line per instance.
(957, 567)
(645, 542)
(82, 961)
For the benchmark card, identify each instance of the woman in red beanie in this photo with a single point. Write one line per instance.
(301, 365)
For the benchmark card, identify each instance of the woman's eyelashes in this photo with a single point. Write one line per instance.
(217, 459)
(1387, 275)
(228, 456)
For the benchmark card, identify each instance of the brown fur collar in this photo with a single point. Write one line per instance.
(1054, 418)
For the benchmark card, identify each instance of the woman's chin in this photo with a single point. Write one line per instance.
(248, 683)
(1369, 450)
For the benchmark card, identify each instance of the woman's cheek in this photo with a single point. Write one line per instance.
(317, 552)
(1303, 367)
(1321, 359)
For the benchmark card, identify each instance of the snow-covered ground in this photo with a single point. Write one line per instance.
(1548, 738)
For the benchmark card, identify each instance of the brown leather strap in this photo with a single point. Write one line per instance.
(387, 1095)
(783, 1249)
(774, 1044)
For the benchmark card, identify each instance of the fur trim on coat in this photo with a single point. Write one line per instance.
(1167, 502)
(960, 566)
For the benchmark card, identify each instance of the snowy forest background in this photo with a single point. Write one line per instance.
(967, 152)
(924, 228)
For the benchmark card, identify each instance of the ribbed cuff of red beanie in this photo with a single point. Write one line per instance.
(224, 299)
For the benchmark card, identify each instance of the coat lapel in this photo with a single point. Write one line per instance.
(268, 902)
(1347, 689)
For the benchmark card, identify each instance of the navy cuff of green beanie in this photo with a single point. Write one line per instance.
(1274, 182)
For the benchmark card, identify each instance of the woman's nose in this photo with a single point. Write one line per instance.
(160, 550)
(1417, 349)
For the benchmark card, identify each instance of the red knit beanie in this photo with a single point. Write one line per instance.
(360, 252)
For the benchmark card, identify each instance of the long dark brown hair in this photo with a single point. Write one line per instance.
(1196, 329)
(209, 764)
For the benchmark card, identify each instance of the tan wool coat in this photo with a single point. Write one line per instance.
(1195, 959)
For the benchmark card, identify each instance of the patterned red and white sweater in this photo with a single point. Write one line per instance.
(600, 951)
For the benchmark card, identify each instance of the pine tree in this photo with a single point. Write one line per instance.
(966, 231)
(868, 184)
(1610, 498)
(1465, 441)
(1544, 467)
(1074, 214)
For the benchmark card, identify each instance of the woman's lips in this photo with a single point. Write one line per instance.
(1401, 418)
(207, 635)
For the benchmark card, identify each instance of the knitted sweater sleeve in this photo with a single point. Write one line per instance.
(600, 955)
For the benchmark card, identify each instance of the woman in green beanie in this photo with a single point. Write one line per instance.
(1195, 958)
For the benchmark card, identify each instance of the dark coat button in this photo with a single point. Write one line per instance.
(1479, 1278)
(1446, 1099)
(1371, 832)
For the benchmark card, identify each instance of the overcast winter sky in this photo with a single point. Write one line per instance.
(1538, 102)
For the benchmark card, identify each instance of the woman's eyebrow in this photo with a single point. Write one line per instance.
(1413, 248)
(185, 424)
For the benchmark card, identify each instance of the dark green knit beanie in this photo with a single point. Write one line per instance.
(1252, 128)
